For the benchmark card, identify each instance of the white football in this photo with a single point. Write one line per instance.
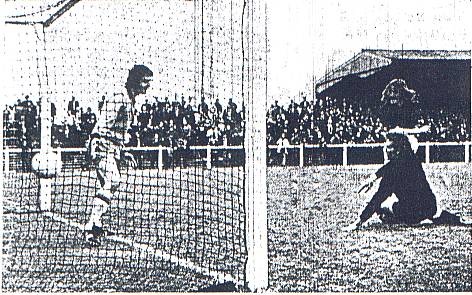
(46, 165)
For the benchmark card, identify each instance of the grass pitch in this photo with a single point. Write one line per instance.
(172, 229)
(308, 251)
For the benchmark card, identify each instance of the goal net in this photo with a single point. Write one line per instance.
(189, 216)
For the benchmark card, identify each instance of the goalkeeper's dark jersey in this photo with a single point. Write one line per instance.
(406, 179)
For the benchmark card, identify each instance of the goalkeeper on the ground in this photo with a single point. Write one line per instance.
(403, 180)
(106, 146)
(404, 195)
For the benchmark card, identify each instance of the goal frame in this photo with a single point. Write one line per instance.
(254, 87)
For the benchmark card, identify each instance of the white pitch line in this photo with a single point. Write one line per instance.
(221, 278)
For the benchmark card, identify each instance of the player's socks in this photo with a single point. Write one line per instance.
(98, 209)
(93, 228)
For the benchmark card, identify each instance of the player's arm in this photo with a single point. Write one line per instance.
(127, 156)
(367, 185)
(363, 217)
(127, 112)
(376, 200)
(385, 190)
(407, 131)
(129, 159)
(373, 205)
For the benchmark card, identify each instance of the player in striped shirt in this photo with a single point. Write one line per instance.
(106, 146)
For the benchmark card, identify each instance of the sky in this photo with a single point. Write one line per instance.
(306, 38)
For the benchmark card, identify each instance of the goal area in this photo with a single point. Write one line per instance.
(188, 217)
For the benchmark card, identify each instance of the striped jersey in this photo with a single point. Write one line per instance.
(114, 119)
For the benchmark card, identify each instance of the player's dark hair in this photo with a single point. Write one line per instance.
(136, 74)
(398, 90)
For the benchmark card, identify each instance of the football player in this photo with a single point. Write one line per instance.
(402, 180)
(106, 146)
(404, 194)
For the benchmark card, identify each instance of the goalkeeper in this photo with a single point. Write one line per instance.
(403, 180)
(404, 195)
(404, 177)
(106, 146)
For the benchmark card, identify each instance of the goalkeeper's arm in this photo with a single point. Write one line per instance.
(367, 185)
(407, 131)
(364, 188)
(129, 159)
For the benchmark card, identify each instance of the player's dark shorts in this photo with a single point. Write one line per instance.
(404, 213)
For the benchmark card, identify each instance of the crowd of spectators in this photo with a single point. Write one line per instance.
(21, 126)
(176, 124)
(76, 128)
(446, 126)
(331, 121)
(184, 122)
(322, 122)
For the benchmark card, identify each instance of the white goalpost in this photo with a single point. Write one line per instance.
(257, 269)
(256, 206)
(45, 115)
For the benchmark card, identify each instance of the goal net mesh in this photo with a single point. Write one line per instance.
(177, 220)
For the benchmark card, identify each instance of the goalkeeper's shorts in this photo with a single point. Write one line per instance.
(105, 156)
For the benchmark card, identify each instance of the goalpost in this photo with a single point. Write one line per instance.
(257, 268)
(45, 114)
(222, 211)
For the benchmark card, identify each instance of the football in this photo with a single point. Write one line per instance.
(46, 165)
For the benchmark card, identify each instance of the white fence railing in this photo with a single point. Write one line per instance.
(346, 146)
(7, 152)
(301, 150)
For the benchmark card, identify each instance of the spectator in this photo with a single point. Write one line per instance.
(73, 106)
(203, 108)
(282, 151)
(219, 108)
